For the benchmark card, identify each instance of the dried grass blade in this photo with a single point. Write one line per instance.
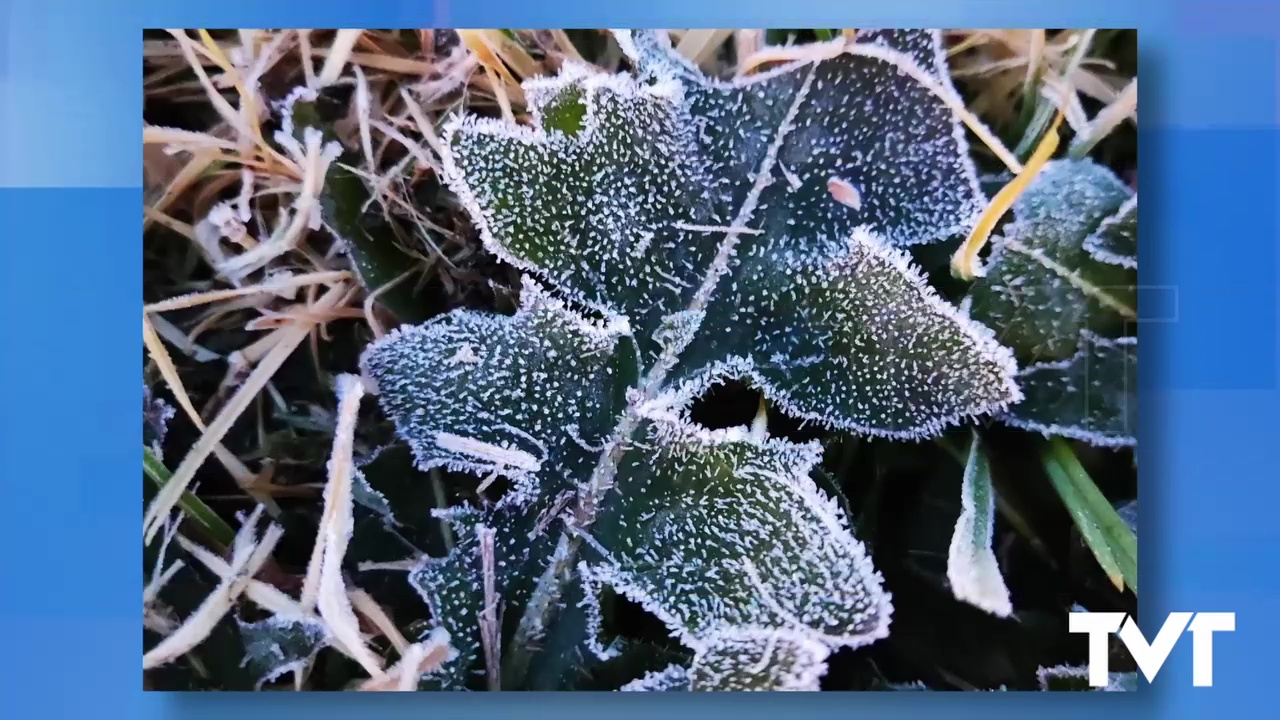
(339, 53)
(420, 658)
(566, 46)
(160, 355)
(289, 339)
(964, 263)
(700, 46)
(1124, 107)
(364, 604)
(324, 584)
(247, 558)
(270, 286)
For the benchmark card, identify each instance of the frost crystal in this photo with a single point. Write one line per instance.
(745, 659)
(673, 678)
(1091, 396)
(156, 414)
(1076, 677)
(1116, 240)
(758, 660)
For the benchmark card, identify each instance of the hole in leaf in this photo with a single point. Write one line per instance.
(729, 404)
(626, 619)
(735, 404)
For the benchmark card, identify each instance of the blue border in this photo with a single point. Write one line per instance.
(69, 191)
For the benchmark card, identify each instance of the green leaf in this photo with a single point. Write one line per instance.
(633, 660)
(523, 397)
(623, 215)
(839, 117)
(1092, 396)
(711, 530)
(1112, 542)
(281, 644)
(1041, 286)
(971, 564)
(1116, 240)
(364, 494)
(853, 337)
(211, 524)
(453, 587)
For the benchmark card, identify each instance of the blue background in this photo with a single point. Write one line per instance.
(70, 281)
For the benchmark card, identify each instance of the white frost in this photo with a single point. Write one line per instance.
(971, 564)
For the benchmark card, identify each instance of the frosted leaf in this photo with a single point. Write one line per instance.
(1076, 677)
(1116, 239)
(281, 644)
(697, 218)
(715, 530)
(596, 211)
(752, 659)
(673, 678)
(744, 659)
(623, 191)
(156, 414)
(1091, 396)
(1041, 286)
(453, 586)
(364, 494)
(972, 570)
(858, 118)
(489, 394)
(850, 335)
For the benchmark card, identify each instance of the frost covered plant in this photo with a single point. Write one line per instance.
(1060, 288)
(676, 232)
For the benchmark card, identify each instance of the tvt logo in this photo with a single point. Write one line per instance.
(1150, 657)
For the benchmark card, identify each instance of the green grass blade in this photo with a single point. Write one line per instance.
(1108, 537)
(1044, 108)
(193, 507)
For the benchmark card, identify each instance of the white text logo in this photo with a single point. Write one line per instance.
(1150, 657)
